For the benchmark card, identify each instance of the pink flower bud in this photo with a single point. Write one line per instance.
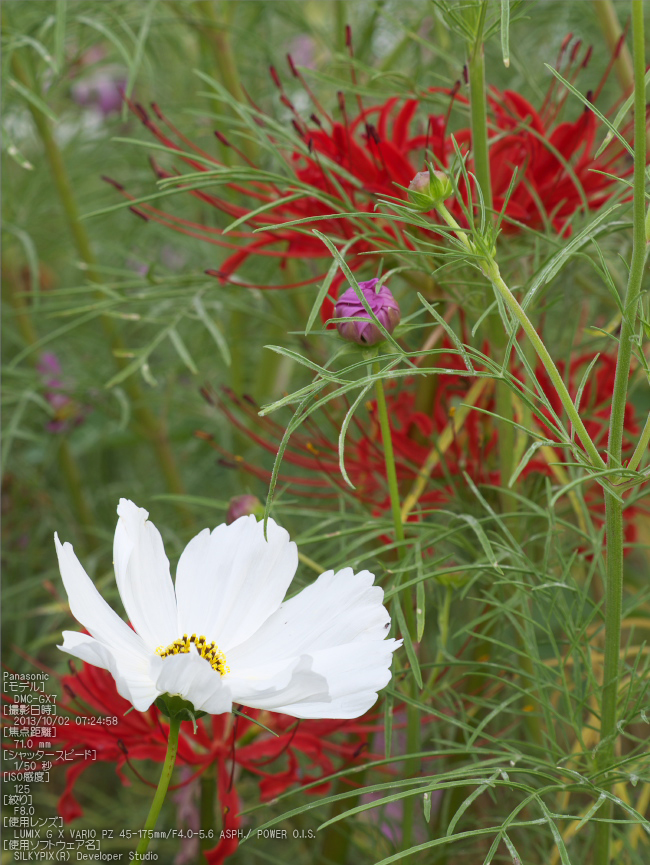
(365, 331)
(243, 506)
(429, 188)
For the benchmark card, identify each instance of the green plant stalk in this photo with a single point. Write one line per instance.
(150, 425)
(411, 767)
(478, 111)
(208, 797)
(340, 22)
(161, 790)
(336, 838)
(609, 698)
(498, 340)
(389, 460)
(613, 507)
(490, 269)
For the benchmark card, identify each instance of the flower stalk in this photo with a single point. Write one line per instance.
(412, 713)
(480, 153)
(391, 472)
(613, 506)
(161, 790)
(478, 110)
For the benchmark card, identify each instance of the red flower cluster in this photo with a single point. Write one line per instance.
(342, 166)
(102, 729)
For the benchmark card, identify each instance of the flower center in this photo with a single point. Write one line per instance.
(210, 651)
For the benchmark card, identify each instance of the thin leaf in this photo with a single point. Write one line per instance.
(591, 107)
(420, 599)
(408, 641)
(213, 330)
(182, 351)
(505, 32)
(134, 64)
(476, 527)
(450, 333)
(344, 428)
(527, 457)
(263, 208)
(325, 287)
(625, 107)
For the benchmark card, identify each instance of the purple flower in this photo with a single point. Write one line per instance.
(103, 91)
(365, 331)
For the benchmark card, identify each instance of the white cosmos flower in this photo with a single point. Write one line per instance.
(321, 654)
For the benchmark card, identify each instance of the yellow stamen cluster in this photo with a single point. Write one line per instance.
(209, 651)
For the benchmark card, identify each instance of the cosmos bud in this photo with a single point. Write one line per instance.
(243, 506)
(383, 304)
(429, 188)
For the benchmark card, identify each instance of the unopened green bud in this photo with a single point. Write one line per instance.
(429, 188)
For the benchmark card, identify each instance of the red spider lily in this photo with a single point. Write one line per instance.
(342, 166)
(101, 728)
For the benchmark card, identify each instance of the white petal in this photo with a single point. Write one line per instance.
(334, 631)
(230, 581)
(338, 608)
(192, 678)
(340, 682)
(132, 672)
(89, 608)
(143, 578)
(354, 674)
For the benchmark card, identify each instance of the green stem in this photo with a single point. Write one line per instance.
(161, 791)
(208, 798)
(490, 269)
(389, 460)
(613, 507)
(478, 112)
(340, 22)
(336, 838)
(498, 340)
(613, 610)
(150, 425)
(639, 248)
(412, 767)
